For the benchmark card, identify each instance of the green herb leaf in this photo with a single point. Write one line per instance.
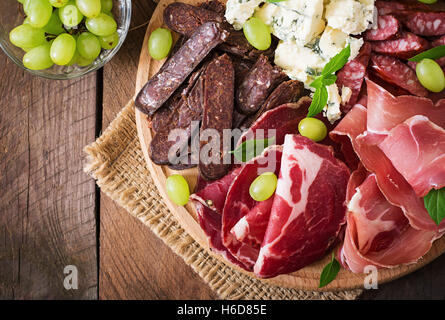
(435, 204)
(329, 272)
(329, 79)
(319, 101)
(434, 53)
(337, 62)
(251, 148)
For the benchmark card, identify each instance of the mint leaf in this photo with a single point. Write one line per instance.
(317, 83)
(319, 101)
(329, 79)
(337, 62)
(248, 149)
(434, 53)
(329, 272)
(435, 204)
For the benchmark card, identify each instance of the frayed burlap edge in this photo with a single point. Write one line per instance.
(116, 161)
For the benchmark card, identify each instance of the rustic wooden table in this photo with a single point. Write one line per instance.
(52, 215)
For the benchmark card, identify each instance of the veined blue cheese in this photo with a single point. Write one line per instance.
(332, 41)
(332, 109)
(350, 16)
(239, 11)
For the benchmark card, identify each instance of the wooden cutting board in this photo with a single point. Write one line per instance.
(306, 278)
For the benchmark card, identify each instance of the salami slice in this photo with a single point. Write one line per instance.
(426, 23)
(218, 95)
(177, 68)
(405, 47)
(353, 73)
(262, 79)
(398, 73)
(388, 28)
(400, 7)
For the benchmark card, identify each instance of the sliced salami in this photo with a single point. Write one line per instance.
(426, 23)
(400, 7)
(388, 28)
(398, 73)
(405, 47)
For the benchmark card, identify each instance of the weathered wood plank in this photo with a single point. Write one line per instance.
(47, 203)
(134, 263)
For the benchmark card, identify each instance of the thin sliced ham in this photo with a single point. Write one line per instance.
(308, 209)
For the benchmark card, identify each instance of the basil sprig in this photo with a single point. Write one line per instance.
(327, 78)
(435, 204)
(329, 272)
(434, 54)
(251, 148)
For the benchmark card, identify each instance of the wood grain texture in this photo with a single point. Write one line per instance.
(134, 263)
(47, 203)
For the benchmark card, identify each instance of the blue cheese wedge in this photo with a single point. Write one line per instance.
(332, 109)
(239, 11)
(350, 16)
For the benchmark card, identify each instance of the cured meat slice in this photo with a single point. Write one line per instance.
(239, 203)
(261, 80)
(398, 73)
(404, 47)
(308, 209)
(218, 95)
(353, 73)
(177, 68)
(400, 7)
(426, 23)
(388, 27)
(378, 233)
(416, 148)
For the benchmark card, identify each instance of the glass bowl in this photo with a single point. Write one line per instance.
(12, 15)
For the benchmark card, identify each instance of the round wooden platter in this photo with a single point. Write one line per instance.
(304, 279)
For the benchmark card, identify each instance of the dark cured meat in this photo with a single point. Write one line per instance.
(400, 7)
(261, 80)
(177, 68)
(388, 28)
(353, 73)
(237, 45)
(405, 47)
(426, 23)
(286, 92)
(398, 73)
(218, 92)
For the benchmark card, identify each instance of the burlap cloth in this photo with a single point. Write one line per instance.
(116, 161)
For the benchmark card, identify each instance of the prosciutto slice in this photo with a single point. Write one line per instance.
(308, 209)
(378, 233)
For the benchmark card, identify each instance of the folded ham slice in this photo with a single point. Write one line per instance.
(308, 209)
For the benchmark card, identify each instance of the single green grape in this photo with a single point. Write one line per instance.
(82, 62)
(38, 58)
(263, 187)
(109, 13)
(428, 1)
(102, 25)
(178, 189)
(54, 25)
(74, 59)
(430, 75)
(25, 36)
(160, 43)
(58, 3)
(70, 14)
(88, 45)
(107, 5)
(313, 129)
(38, 11)
(257, 33)
(63, 49)
(89, 8)
(109, 42)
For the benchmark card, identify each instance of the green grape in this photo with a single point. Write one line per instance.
(178, 189)
(74, 59)
(38, 11)
(428, 1)
(70, 14)
(109, 13)
(63, 49)
(26, 21)
(257, 33)
(430, 75)
(38, 58)
(102, 25)
(313, 129)
(88, 46)
(263, 187)
(160, 43)
(54, 25)
(58, 3)
(82, 62)
(107, 5)
(89, 8)
(109, 42)
(25, 36)
(21, 1)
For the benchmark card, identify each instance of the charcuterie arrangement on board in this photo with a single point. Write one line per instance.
(312, 128)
